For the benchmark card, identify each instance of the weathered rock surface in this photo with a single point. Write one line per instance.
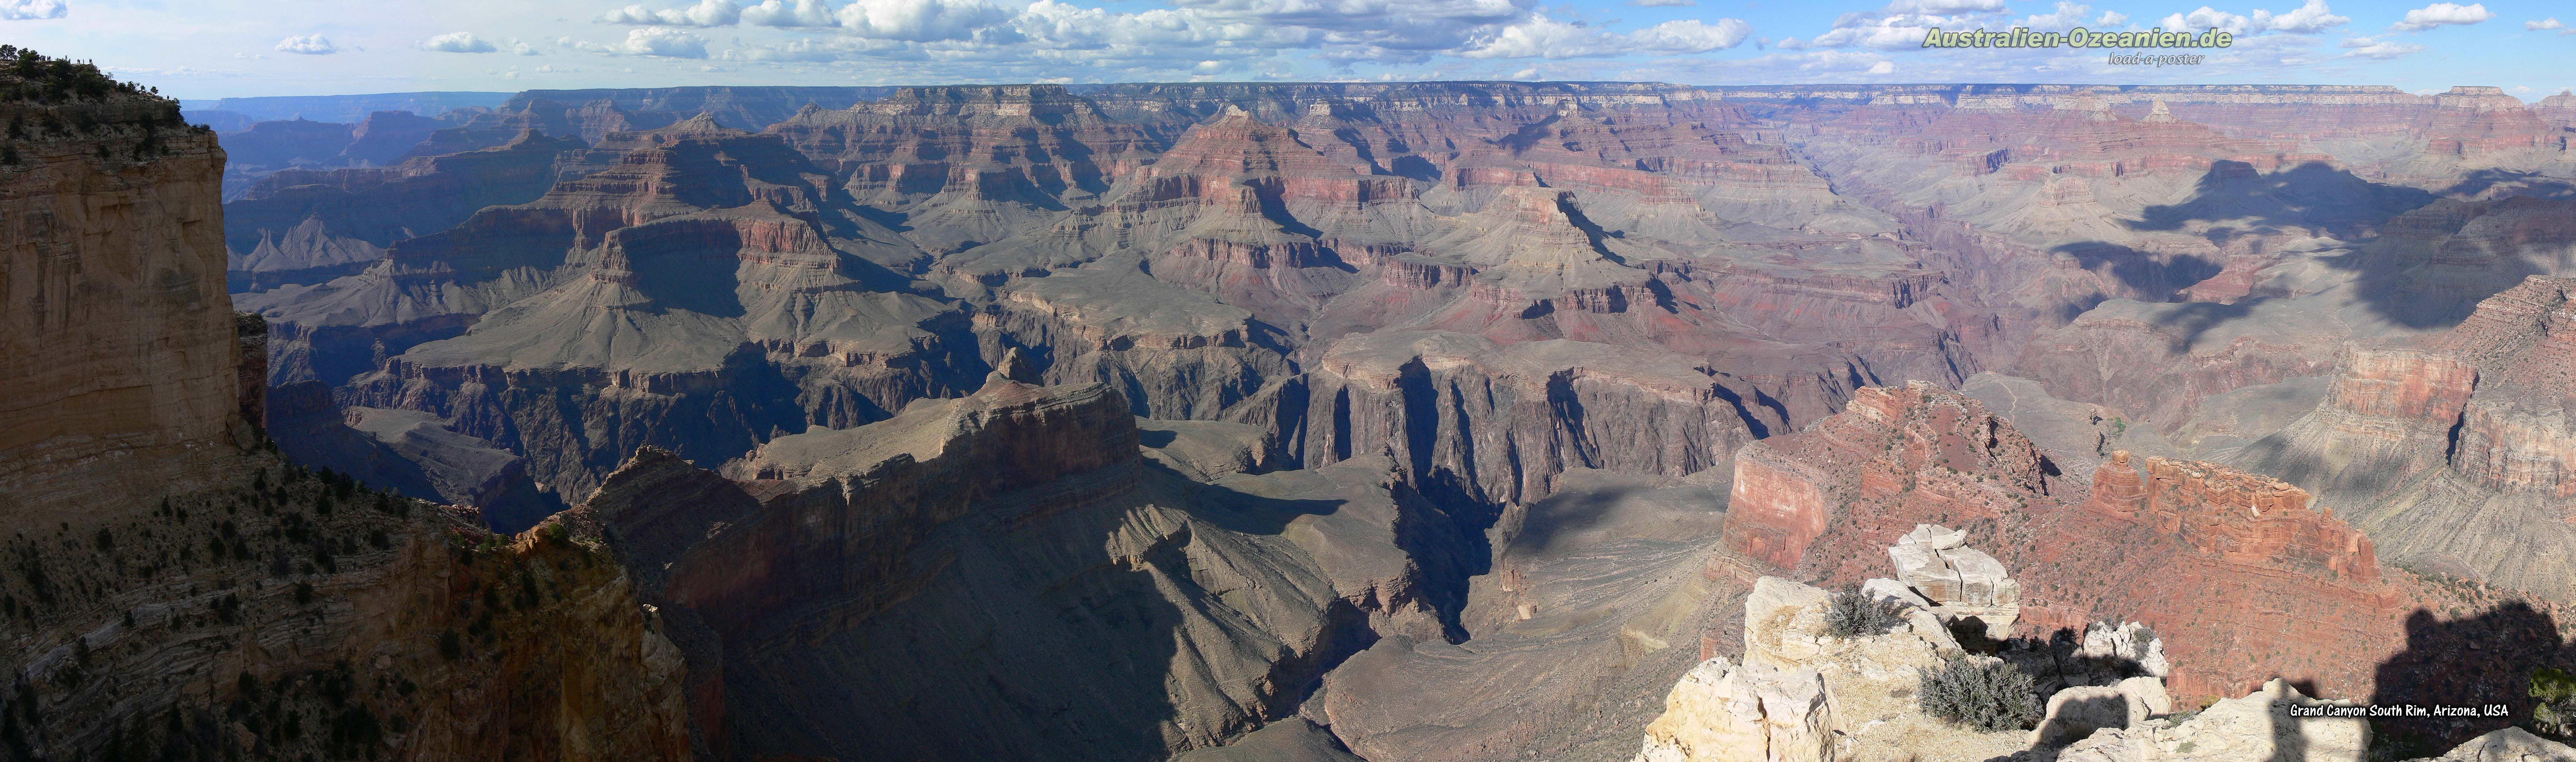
(2260, 725)
(1720, 712)
(1900, 458)
(2510, 745)
(2448, 445)
(1964, 584)
(123, 346)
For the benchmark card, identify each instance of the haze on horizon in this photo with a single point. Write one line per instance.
(235, 48)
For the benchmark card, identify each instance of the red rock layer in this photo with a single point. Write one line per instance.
(2240, 576)
(2239, 517)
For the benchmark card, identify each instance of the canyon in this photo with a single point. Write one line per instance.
(1204, 421)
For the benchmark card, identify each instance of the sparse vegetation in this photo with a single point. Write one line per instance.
(1990, 696)
(2553, 713)
(1854, 614)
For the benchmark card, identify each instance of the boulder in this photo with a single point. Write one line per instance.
(1962, 582)
(2074, 713)
(2257, 726)
(1917, 611)
(1773, 633)
(2509, 745)
(1721, 711)
(2147, 693)
(2129, 642)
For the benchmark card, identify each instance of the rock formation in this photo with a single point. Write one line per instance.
(176, 588)
(1962, 583)
(2275, 722)
(2447, 445)
(309, 226)
(1723, 713)
(1427, 421)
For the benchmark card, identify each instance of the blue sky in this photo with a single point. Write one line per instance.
(227, 48)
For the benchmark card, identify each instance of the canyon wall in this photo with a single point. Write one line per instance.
(175, 587)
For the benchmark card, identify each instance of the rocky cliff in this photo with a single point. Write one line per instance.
(2449, 445)
(972, 542)
(1824, 500)
(175, 588)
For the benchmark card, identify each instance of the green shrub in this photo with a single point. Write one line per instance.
(1853, 614)
(2555, 712)
(1990, 696)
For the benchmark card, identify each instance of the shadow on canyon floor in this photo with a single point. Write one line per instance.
(2314, 195)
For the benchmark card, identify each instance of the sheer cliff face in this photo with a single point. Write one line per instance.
(177, 589)
(121, 335)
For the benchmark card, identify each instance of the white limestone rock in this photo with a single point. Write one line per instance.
(2509, 745)
(1723, 712)
(2129, 641)
(2257, 726)
(1961, 582)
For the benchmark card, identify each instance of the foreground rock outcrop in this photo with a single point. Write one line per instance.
(1755, 712)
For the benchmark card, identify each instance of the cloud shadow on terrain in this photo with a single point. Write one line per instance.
(2314, 195)
(2309, 199)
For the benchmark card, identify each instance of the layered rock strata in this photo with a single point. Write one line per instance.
(888, 550)
(2446, 444)
(178, 590)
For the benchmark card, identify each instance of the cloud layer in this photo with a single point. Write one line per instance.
(2439, 14)
(311, 45)
(458, 42)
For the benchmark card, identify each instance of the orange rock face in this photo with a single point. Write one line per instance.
(2240, 573)
(2240, 517)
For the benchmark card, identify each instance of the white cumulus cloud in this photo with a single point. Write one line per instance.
(2112, 18)
(2372, 47)
(1943, 7)
(651, 41)
(2308, 19)
(311, 45)
(2208, 17)
(1692, 36)
(2547, 23)
(920, 20)
(458, 42)
(1542, 37)
(1883, 67)
(29, 10)
(2438, 14)
(789, 13)
(2068, 14)
(705, 13)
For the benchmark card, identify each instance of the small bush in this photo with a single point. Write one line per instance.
(1853, 614)
(1989, 696)
(2554, 714)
